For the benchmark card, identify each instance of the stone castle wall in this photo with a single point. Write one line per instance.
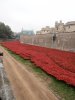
(63, 41)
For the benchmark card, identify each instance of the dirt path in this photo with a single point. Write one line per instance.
(24, 84)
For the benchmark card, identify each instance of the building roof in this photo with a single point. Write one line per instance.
(47, 28)
(27, 32)
(70, 23)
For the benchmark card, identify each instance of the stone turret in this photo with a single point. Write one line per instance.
(59, 26)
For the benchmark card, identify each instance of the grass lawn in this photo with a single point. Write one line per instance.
(62, 90)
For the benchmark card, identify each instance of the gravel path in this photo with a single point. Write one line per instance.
(24, 84)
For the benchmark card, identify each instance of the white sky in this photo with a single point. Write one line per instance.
(35, 14)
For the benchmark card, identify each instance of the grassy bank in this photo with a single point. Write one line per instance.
(60, 88)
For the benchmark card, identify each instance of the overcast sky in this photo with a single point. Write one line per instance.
(35, 14)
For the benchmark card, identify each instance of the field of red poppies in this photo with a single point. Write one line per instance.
(60, 64)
